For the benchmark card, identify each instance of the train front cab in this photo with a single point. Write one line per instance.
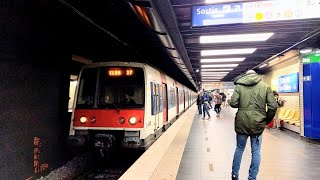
(103, 117)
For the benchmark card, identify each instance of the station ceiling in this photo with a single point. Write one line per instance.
(111, 31)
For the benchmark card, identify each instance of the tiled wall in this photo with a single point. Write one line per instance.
(287, 67)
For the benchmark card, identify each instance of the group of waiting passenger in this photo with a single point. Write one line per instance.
(205, 100)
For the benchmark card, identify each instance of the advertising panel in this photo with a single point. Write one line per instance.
(288, 83)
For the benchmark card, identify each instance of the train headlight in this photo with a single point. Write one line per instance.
(133, 120)
(121, 120)
(83, 119)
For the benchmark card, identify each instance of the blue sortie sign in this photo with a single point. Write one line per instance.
(288, 83)
(217, 14)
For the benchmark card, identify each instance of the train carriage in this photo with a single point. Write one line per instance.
(127, 105)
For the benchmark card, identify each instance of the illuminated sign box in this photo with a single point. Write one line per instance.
(252, 12)
(288, 83)
(312, 58)
(120, 72)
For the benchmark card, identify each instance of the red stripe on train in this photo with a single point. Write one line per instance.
(108, 118)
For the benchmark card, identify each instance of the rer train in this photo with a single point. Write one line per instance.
(125, 104)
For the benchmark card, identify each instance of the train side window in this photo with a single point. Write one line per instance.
(156, 98)
(159, 97)
(172, 98)
(153, 98)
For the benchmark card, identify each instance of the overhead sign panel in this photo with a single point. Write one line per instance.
(217, 14)
(288, 83)
(252, 12)
(312, 58)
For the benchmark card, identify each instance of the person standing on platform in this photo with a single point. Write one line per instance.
(199, 104)
(223, 100)
(251, 96)
(205, 107)
(280, 103)
(217, 106)
(210, 100)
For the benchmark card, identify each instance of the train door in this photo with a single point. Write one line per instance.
(188, 98)
(177, 100)
(165, 103)
(184, 99)
(155, 105)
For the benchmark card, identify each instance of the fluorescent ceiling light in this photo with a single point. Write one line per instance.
(263, 65)
(306, 50)
(222, 60)
(216, 73)
(213, 70)
(274, 60)
(212, 77)
(211, 80)
(218, 65)
(227, 51)
(235, 38)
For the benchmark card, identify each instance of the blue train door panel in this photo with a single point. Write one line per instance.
(311, 95)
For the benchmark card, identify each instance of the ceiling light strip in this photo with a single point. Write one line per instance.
(222, 60)
(227, 51)
(263, 65)
(218, 65)
(213, 70)
(256, 37)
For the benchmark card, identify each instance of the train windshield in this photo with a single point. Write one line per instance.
(117, 87)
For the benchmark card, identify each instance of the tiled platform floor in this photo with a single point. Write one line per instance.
(209, 152)
(206, 154)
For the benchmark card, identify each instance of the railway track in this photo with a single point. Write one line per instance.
(109, 169)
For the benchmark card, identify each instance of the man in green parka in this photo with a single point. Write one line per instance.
(256, 108)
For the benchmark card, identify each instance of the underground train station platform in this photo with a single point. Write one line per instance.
(194, 149)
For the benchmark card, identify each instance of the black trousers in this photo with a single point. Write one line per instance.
(217, 108)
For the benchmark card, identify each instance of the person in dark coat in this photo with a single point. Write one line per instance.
(251, 96)
(199, 104)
